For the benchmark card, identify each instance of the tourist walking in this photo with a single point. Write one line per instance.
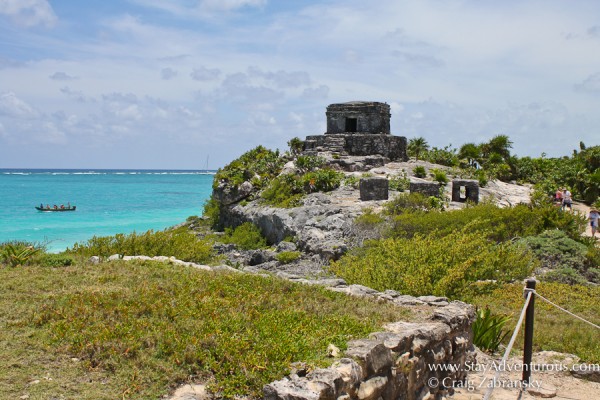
(567, 200)
(594, 216)
(558, 197)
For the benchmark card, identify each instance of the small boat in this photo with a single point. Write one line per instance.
(56, 208)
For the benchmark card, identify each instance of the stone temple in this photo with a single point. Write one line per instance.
(358, 128)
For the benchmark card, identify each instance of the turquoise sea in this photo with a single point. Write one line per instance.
(107, 201)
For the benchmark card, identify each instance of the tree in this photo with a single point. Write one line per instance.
(499, 144)
(417, 146)
(471, 152)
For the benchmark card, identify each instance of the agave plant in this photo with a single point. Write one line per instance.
(488, 330)
(18, 255)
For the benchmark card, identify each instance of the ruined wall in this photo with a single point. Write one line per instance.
(369, 117)
(408, 361)
(359, 144)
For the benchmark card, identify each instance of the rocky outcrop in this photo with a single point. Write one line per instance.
(319, 226)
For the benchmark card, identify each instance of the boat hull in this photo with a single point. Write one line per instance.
(56, 209)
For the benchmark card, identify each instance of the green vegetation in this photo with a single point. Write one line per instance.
(580, 173)
(258, 166)
(287, 190)
(442, 266)
(286, 257)
(179, 243)
(488, 330)
(417, 146)
(420, 171)
(399, 182)
(246, 236)
(16, 253)
(135, 330)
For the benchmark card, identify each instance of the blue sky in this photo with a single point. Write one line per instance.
(168, 84)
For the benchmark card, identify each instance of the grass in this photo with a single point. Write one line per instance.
(553, 329)
(135, 330)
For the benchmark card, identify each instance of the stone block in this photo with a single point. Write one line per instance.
(464, 190)
(374, 356)
(426, 188)
(374, 188)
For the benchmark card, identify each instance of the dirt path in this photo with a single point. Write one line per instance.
(585, 211)
(559, 385)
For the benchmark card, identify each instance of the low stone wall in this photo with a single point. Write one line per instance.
(426, 188)
(408, 361)
(359, 144)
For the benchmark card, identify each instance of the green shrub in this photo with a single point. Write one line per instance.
(259, 165)
(400, 182)
(443, 266)
(322, 180)
(212, 210)
(405, 202)
(351, 180)
(439, 176)
(488, 330)
(556, 250)
(180, 243)
(309, 163)
(55, 260)
(567, 275)
(420, 171)
(295, 144)
(284, 191)
(499, 224)
(286, 257)
(247, 236)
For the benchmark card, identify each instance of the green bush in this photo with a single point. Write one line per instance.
(179, 243)
(443, 266)
(420, 171)
(351, 180)
(287, 190)
(259, 165)
(439, 176)
(247, 236)
(556, 250)
(212, 210)
(55, 260)
(566, 275)
(400, 182)
(286, 257)
(499, 224)
(284, 191)
(406, 202)
(309, 163)
(488, 330)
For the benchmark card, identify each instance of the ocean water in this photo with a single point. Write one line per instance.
(107, 201)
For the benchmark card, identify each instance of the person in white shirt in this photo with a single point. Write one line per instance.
(567, 200)
(594, 216)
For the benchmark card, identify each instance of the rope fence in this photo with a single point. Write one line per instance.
(529, 293)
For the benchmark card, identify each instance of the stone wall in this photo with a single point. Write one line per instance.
(367, 117)
(407, 361)
(359, 144)
(426, 188)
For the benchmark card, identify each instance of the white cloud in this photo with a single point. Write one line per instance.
(29, 13)
(12, 106)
